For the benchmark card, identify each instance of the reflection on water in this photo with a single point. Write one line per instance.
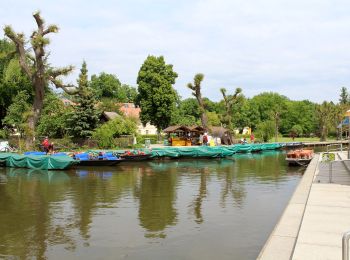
(188, 209)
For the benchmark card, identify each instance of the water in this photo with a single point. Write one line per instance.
(188, 209)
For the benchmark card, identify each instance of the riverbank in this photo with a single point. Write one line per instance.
(316, 217)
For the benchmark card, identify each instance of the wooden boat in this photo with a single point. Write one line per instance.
(135, 157)
(98, 162)
(86, 159)
(299, 157)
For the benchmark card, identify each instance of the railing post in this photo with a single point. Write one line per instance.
(330, 172)
(345, 245)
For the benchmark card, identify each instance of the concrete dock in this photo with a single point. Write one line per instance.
(317, 215)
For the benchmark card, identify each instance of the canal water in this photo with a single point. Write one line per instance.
(166, 209)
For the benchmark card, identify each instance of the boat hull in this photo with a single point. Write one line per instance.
(98, 162)
(298, 162)
(140, 157)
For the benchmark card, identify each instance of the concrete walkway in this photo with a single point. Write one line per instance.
(316, 217)
(327, 215)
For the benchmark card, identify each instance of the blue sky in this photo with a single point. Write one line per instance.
(296, 48)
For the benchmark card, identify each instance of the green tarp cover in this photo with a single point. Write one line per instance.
(43, 162)
(205, 151)
(212, 151)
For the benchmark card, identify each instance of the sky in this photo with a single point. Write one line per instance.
(297, 48)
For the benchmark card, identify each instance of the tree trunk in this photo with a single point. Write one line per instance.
(34, 117)
(204, 117)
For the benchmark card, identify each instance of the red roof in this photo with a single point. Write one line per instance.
(130, 110)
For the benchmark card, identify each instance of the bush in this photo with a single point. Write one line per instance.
(105, 135)
(265, 130)
(154, 138)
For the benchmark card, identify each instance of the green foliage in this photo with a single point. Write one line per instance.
(265, 130)
(186, 113)
(106, 133)
(18, 112)
(302, 113)
(213, 119)
(109, 86)
(344, 96)
(12, 79)
(3, 134)
(157, 98)
(296, 130)
(153, 138)
(84, 119)
(324, 114)
(109, 105)
(54, 117)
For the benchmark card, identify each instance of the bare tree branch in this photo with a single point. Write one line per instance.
(54, 73)
(19, 42)
(39, 21)
(69, 89)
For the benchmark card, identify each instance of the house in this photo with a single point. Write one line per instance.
(130, 110)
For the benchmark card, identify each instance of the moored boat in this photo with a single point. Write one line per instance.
(299, 157)
(135, 156)
(102, 159)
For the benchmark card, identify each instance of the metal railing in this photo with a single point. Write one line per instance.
(345, 245)
(336, 147)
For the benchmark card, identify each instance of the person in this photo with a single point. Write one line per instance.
(46, 144)
(252, 138)
(205, 139)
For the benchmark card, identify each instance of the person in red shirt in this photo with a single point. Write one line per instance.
(46, 145)
(252, 137)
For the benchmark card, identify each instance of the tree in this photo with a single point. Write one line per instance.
(84, 118)
(229, 100)
(12, 79)
(265, 130)
(18, 112)
(37, 68)
(196, 91)
(106, 133)
(213, 119)
(156, 96)
(324, 113)
(344, 96)
(54, 117)
(302, 113)
(271, 106)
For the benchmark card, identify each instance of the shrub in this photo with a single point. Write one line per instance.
(265, 130)
(105, 134)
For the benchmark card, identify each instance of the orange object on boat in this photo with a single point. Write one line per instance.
(300, 154)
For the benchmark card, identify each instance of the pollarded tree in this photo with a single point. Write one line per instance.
(196, 91)
(230, 100)
(84, 118)
(156, 95)
(33, 62)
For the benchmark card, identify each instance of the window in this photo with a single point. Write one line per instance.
(146, 132)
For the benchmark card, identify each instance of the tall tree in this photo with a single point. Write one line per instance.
(84, 118)
(12, 79)
(196, 91)
(230, 100)
(18, 112)
(156, 95)
(324, 113)
(37, 68)
(344, 96)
